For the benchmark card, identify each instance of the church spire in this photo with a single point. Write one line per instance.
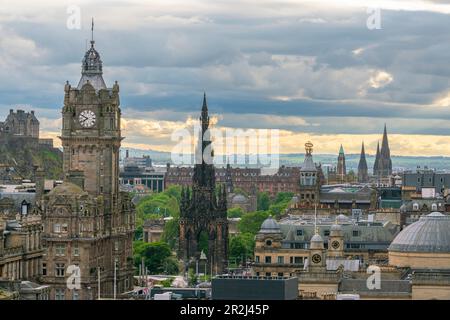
(385, 152)
(363, 175)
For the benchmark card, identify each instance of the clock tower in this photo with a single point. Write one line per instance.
(336, 241)
(87, 222)
(317, 256)
(91, 134)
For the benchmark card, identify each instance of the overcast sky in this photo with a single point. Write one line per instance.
(309, 68)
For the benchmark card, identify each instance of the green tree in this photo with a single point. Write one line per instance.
(263, 201)
(251, 222)
(235, 212)
(155, 255)
(242, 246)
(171, 232)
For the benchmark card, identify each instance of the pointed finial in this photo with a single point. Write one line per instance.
(205, 106)
(92, 30)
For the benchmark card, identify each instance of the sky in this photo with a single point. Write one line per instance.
(309, 68)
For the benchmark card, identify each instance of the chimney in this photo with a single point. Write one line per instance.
(32, 112)
(76, 177)
(11, 111)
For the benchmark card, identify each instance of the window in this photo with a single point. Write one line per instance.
(116, 246)
(280, 274)
(299, 232)
(355, 233)
(60, 249)
(280, 260)
(298, 260)
(326, 233)
(44, 269)
(75, 295)
(76, 250)
(257, 274)
(268, 274)
(59, 294)
(64, 227)
(269, 242)
(57, 228)
(256, 258)
(268, 259)
(60, 269)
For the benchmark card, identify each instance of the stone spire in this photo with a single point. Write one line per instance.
(92, 67)
(363, 175)
(385, 152)
(377, 160)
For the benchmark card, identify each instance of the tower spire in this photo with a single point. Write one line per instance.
(92, 31)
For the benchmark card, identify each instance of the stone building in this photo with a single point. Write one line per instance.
(202, 212)
(20, 123)
(88, 224)
(21, 249)
(282, 248)
(423, 250)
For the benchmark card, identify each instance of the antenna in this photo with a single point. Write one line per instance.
(315, 218)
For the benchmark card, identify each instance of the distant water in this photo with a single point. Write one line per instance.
(351, 160)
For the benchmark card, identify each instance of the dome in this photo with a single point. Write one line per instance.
(316, 238)
(336, 230)
(316, 242)
(270, 226)
(67, 189)
(238, 199)
(430, 234)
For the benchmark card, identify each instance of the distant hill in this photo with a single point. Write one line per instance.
(296, 159)
(22, 153)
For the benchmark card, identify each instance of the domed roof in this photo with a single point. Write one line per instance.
(316, 238)
(431, 233)
(67, 189)
(239, 198)
(336, 227)
(270, 226)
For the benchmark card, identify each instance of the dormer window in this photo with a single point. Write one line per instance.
(268, 242)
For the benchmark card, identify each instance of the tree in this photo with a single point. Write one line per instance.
(251, 222)
(263, 201)
(171, 232)
(242, 246)
(155, 254)
(235, 212)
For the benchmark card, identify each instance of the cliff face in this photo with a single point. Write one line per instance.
(23, 153)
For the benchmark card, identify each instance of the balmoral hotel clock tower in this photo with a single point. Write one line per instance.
(88, 222)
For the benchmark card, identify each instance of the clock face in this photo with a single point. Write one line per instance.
(87, 118)
(335, 244)
(316, 258)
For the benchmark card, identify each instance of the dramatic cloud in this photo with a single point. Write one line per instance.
(310, 68)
